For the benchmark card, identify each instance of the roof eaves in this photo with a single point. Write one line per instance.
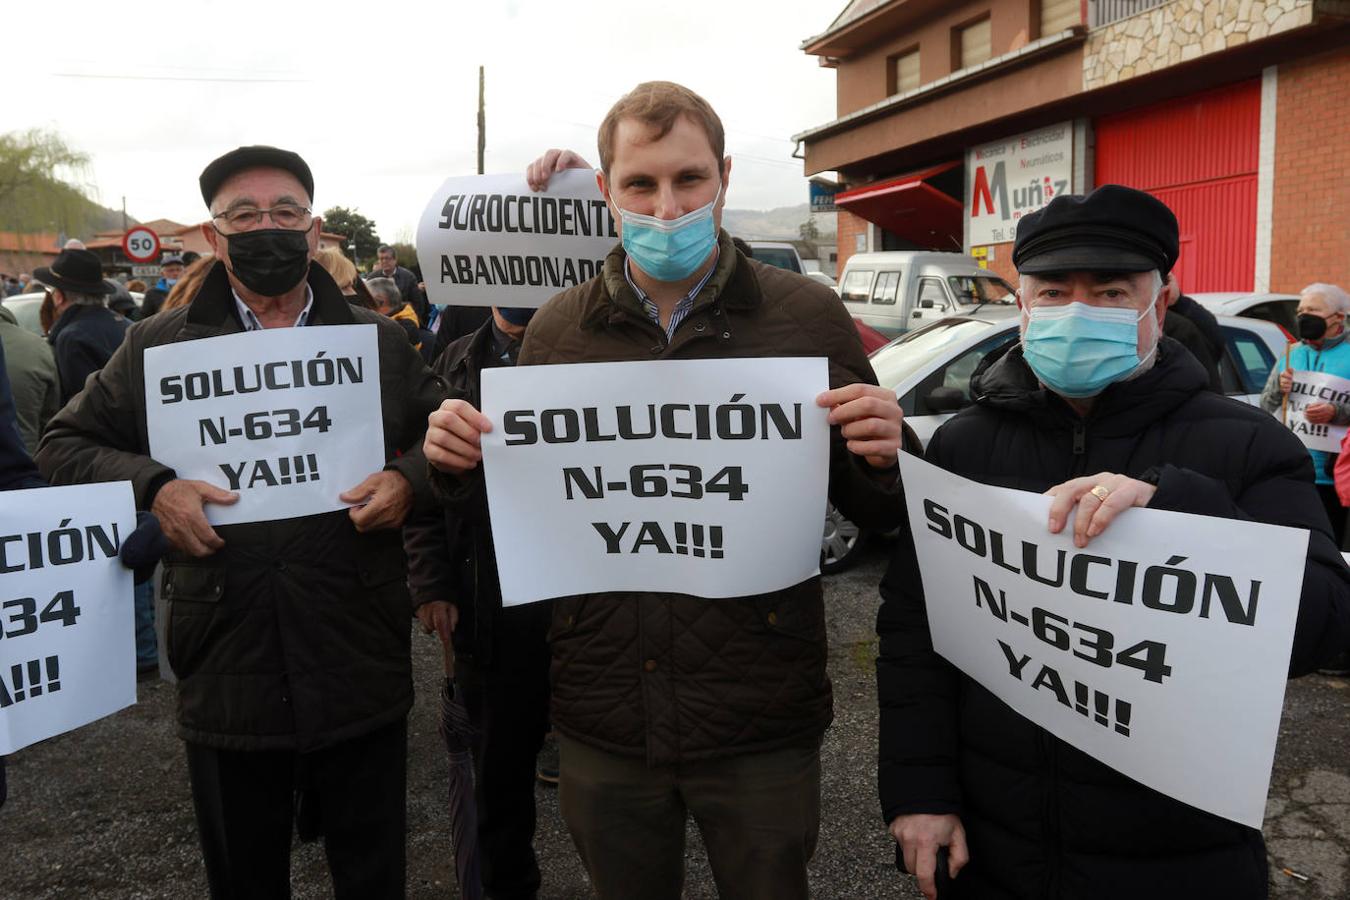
(1050, 42)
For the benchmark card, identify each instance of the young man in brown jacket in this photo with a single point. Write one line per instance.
(666, 704)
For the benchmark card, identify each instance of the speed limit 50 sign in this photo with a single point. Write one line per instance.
(140, 244)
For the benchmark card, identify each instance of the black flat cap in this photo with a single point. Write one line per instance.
(214, 175)
(1112, 229)
(74, 270)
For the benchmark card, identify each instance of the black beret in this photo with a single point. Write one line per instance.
(215, 174)
(1112, 229)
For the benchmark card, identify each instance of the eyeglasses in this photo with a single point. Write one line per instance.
(283, 215)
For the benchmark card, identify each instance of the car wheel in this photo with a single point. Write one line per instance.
(841, 542)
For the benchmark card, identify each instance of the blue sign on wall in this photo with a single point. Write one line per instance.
(822, 197)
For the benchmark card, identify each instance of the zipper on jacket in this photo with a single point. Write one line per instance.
(1050, 812)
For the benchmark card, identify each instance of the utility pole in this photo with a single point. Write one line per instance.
(124, 213)
(482, 122)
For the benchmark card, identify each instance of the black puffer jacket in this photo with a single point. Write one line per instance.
(1043, 819)
(295, 635)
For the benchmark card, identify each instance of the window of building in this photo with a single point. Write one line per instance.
(905, 71)
(973, 44)
(1057, 15)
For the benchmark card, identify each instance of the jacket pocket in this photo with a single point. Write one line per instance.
(193, 593)
(791, 613)
(566, 614)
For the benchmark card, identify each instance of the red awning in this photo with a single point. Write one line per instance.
(910, 208)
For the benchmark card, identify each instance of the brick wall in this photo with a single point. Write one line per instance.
(850, 226)
(1310, 216)
(1002, 264)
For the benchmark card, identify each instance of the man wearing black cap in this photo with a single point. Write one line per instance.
(1094, 407)
(290, 638)
(86, 332)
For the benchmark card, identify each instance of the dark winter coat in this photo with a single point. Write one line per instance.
(16, 472)
(1043, 819)
(83, 339)
(294, 636)
(33, 378)
(672, 677)
(1187, 334)
(1203, 320)
(450, 551)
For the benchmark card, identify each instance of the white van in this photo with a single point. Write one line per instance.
(777, 253)
(897, 290)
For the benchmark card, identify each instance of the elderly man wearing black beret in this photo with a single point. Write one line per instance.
(290, 638)
(1097, 408)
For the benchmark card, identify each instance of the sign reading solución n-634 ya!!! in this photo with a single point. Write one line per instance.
(67, 652)
(702, 477)
(287, 417)
(1311, 388)
(1161, 649)
(488, 240)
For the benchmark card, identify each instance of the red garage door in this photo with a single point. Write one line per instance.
(1198, 155)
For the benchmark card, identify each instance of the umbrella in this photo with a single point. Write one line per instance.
(460, 738)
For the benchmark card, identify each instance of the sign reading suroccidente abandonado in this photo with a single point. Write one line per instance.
(1161, 649)
(488, 240)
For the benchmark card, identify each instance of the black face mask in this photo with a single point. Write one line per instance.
(1311, 328)
(269, 261)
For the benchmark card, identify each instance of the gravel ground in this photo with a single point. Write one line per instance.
(104, 812)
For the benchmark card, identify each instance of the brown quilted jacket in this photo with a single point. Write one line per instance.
(669, 676)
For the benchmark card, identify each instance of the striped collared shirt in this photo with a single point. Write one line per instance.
(682, 309)
(251, 322)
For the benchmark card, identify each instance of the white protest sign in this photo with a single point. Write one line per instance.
(68, 653)
(1310, 388)
(288, 417)
(706, 477)
(1161, 649)
(488, 240)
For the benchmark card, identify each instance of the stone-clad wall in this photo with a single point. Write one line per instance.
(1183, 30)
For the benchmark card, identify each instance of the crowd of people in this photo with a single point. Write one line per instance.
(290, 639)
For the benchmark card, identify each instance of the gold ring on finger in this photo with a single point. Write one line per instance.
(1101, 493)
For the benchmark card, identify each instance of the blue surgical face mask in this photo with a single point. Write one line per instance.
(1079, 350)
(670, 250)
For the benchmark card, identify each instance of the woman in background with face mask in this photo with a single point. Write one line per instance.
(1321, 348)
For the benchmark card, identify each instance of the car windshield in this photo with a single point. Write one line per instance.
(783, 259)
(973, 289)
(914, 351)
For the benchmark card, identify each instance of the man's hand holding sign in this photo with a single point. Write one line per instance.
(866, 414)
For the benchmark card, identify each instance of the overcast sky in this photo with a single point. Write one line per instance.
(380, 97)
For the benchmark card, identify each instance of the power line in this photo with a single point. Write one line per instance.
(106, 77)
